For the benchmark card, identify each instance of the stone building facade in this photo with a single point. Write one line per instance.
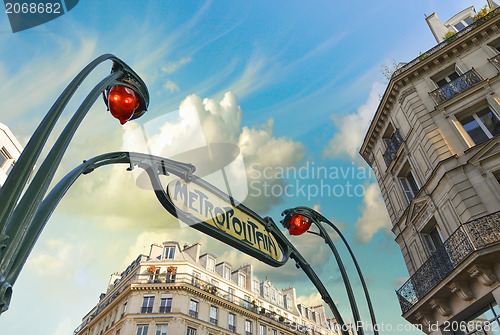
(175, 290)
(434, 147)
(10, 150)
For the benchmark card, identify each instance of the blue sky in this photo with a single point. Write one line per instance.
(299, 79)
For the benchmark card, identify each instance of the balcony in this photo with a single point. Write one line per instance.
(454, 87)
(392, 147)
(146, 310)
(193, 314)
(496, 62)
(232, 328)
(468, 238)
(213, 321)
(165, 309)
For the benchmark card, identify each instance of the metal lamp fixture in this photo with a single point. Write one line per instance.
(18, 229)
(297, 221)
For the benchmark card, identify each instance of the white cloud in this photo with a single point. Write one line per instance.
(171, 86)
(173, 66)
(118, 203)
(259, 71)
(311, 300)
(65, 326)
(59, 258)
(374, 215)
(351, 128)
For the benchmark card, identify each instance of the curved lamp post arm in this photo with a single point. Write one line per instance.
(16, 219)
(317, 219)
(153, 165)
(301, 263)
(23, 214)
(50, 202)
(358, 269)
(345, 278)
(11, 190)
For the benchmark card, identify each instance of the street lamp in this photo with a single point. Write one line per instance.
(126, 97)
(298, 220)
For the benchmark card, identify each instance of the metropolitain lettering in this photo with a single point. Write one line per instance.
(226, 218)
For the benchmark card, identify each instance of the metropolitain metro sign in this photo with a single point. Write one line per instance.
(207, 209)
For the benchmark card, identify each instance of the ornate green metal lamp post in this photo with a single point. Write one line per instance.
(127, 98)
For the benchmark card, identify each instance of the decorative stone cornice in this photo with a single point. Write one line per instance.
(406, 93)
(424, 319)
(462, 290)
(483, 274)
(440, 306)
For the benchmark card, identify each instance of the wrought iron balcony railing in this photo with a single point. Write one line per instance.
(193, 313)
(392, 147)
(469, 237)
(454, 87)
(146, 310)
(495, 61)
(165, 309)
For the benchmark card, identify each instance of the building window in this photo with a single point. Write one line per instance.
(486, 321)
(447, 76)
(248, 327)
(408, 183)
(147, 304)
(169, 252)
(124, 310)
(242, 280)
(496, 175)
(433, 239)
(262, 330)
(481, 126)
(195, 279)
(193, 308)
(275, 332)
(191, 331)
(246, 301)
(226, 272)
(230, 295)
(211, 264)
(161, 330)
(213, 315)
(170, 278)
(4, 157)
(285, 301)
(463, 23)
(392, 140)
(154, 276)
(165, 305)
(6, 161)
(256, 286)
(142, 330)
(231, 322)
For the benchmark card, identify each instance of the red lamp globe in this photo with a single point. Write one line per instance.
(298, 224)
(123, 102)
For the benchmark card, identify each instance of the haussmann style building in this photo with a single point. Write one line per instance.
(434, 146)
(10, 150)
(176, 291)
